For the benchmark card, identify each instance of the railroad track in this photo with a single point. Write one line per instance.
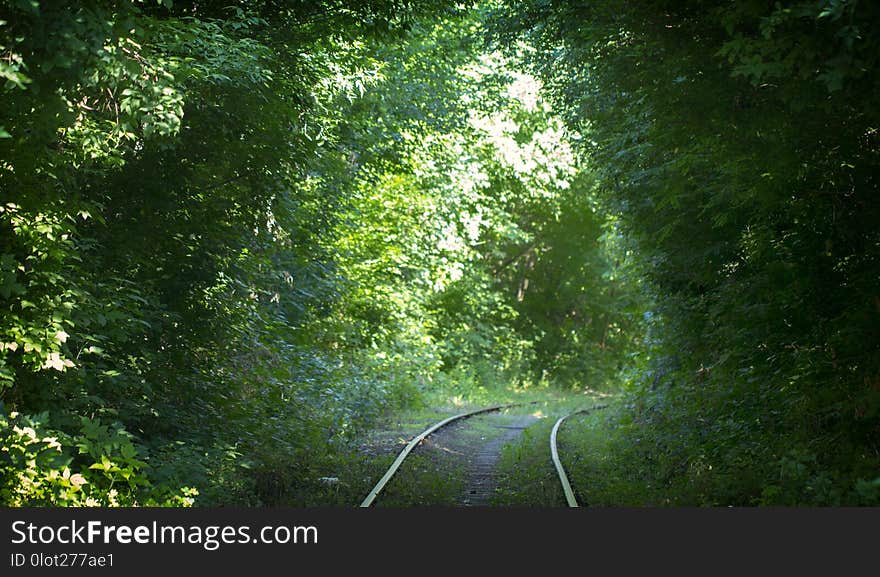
(415, 441)
(554, 455)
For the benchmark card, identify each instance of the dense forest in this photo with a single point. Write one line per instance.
(236, 235)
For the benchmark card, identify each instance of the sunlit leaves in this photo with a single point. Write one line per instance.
(464, 218)
(174, 181)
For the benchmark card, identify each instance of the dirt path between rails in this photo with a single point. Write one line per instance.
(477, 442)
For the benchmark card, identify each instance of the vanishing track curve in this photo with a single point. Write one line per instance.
(414, 442)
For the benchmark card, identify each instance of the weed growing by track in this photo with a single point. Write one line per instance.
(610, 462)
(596, 461)
(605, 468)
(528, 477)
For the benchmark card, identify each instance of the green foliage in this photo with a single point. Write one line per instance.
(243, 231)
(734, 144)
(460, 236)
(170, 181)
(39, 467)
(825, 42)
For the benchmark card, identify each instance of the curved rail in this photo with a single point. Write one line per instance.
(554, 454)
(368, 500)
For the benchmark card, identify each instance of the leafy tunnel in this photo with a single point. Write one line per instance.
(236, 235)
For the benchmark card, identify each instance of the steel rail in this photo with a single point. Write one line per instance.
(554, 454)
(368, 500)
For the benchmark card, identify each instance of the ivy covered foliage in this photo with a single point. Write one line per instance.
(737, 144)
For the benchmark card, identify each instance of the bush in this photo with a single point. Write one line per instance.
(97, 468)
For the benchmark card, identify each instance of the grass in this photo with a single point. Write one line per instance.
(611, 459)
(598, 468)
(434, 474)
(603, 467)
(427, 478)
(528, 477)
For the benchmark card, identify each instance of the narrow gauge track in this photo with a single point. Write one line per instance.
(554, 454)
(554, 451)
(368, 500)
